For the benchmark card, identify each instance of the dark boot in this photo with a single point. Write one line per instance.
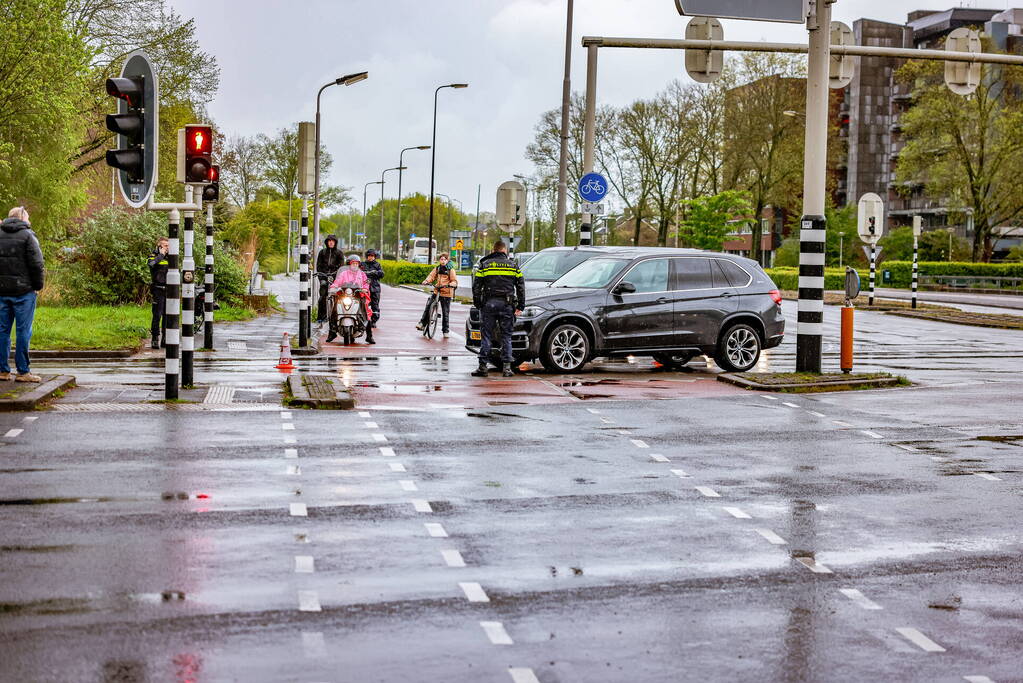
(508, 372)
(155, 343)
(332, 335)
(369, 336)
(482, 370)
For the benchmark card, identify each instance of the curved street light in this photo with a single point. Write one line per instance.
(433, 161)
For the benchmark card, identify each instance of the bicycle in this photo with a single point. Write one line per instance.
(433, 315)
(593, 185)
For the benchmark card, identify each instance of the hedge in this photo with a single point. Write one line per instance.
(788, 278)
(902, 273)
(405, 273)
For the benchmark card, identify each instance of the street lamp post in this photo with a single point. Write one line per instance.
(364, 188)
(350, 79)
(401, 166)
(433, 162)
(399, 169)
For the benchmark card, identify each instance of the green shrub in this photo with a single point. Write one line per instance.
(405, 273)
(902, 271)
(788, 278)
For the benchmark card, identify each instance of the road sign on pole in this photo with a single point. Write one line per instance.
(592, 187)
(704, 66)
(842, 66)
(791, 11)
(962, 78)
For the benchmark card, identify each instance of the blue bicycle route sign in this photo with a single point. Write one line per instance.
(592, 187)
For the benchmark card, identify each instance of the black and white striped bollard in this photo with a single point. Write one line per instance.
(208, 297)
(810, 315)
(917, 223)
(873, 271)
(172, 311)
(188, 295)
(303, 280)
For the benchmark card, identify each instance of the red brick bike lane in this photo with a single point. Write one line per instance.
(404, 369)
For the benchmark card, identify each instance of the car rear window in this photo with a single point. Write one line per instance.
(736, 276)
(551, 265)
(693, 273)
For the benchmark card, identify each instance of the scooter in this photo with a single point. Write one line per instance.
(348, 314)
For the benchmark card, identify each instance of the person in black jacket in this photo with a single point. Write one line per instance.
(158, 266)
(375, 272)
(330, 260)
(21, 276)
(499, 293)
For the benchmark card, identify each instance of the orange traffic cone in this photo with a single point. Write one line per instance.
(285, 362)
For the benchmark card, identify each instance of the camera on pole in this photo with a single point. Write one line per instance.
(211, 193)
(136, 124)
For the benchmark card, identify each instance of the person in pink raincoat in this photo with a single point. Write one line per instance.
(353, 277)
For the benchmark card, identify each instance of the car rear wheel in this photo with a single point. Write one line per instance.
(674, 360)
(566, 349)
(739, 348)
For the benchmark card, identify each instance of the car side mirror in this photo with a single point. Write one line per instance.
(625, 288)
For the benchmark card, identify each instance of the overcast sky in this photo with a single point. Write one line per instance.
(274, 55)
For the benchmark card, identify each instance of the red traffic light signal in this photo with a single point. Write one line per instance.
(198, 153)
(211, 193)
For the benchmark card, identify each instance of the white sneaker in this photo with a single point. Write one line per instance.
(446, 335)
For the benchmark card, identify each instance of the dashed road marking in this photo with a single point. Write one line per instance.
(737, 513)
(657, 457)
(379, 437)
(681, 474)
(408, 485)
(522, 675)
(285, 415)
(607, 420)
(312, 644)
(638, 443)
(294, 469)
(920, 640)
(624, 432)
(364, 414)
(495, 631)
(387, 452)
(904, 447)
(290, 452)
(304, 564)
(397, 467)
(769, 398)
(859, 598)
(421, 505)
(938, 458)
(872, 435)
(977, 679)
(298, 510)
(435, 530)
(11, 433)
(593, 410)
(372, 425)
(790, 405)
(813, 565)
(771, 537)
(707, 491)
(473, 591)
(985, 475)
(32, 418)
(287, 426)
(816, 414)
(309, 601)
(289, 438)
(452, 558)
(841, 424)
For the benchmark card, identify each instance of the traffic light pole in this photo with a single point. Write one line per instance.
(188, 295)
(208, 297)
(303, 279)
(172, 311)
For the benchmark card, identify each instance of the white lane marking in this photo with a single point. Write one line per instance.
(387, 452)
(790, 405)
(707, 491)
(304, 564)
(364, 414)
(294, 469)
(397, 467)
(287, 426)
(815, 413)
(11, 433)
(408, 485)
(473, 591)
(842, 424)
(859, 598)
(769, 398)
(452, 558)
(681, 474)
(312, 644)
(521, 674)
(289, 438)
(594, 411)
(938, 458)
(657, 457)
(920, 640)
(285, 415)
(737, 513)
(32, 419)
(985, 475)
(290, 452)
(298, 510)
(379, 437)
(308, 601)
(624, 432)
(872, 435)
(813, 565)
(771, 537)
(638, 443)
(607, 420)
(906, 448)
(435, 530)
(372, 425)
(977, 679)
(421, 505)
(495, 631)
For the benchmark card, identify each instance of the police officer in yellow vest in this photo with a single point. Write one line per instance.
(499, 293)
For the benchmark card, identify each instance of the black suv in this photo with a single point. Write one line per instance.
(672, 304)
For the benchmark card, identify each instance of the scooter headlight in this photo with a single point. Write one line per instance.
(346, 301)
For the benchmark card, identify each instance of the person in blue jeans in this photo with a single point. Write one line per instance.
(21, 276)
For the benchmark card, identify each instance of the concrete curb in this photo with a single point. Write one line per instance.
(838, 384)
(31, 399)
(81, 354)
(303, 395)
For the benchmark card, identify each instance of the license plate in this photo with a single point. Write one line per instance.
(475, 334)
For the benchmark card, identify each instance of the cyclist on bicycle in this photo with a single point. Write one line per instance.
(444, 283)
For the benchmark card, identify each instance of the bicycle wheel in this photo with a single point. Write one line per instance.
(431, 321)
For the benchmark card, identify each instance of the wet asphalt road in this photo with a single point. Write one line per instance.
(735, 537)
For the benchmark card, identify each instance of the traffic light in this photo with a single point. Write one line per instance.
(211, 193)
(198, 153)
(136, 125)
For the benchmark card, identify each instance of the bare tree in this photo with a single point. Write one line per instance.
(241, 167)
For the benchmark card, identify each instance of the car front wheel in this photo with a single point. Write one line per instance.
(566, 349)
(739, 349)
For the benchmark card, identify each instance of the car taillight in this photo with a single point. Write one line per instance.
(776, 296)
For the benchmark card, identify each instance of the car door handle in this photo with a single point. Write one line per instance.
(663, 300)
(727, 294)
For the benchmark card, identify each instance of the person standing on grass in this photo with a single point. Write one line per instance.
(21, 277)
(158, 266)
